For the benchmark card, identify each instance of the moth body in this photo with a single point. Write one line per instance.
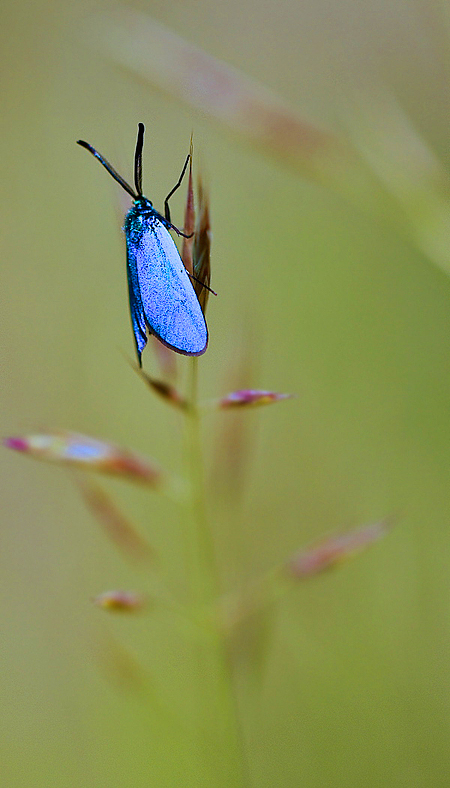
(163, 301)
(162, 297)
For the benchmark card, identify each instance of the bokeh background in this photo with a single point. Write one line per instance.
(330, 256)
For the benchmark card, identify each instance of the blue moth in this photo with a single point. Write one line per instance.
(162, 298)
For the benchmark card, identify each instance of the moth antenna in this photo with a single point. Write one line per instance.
(138, 159)
(108, 167)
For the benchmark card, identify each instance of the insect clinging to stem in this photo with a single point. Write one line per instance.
(162, 298)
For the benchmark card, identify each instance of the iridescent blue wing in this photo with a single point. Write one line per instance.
(136, 309)
(161, 294)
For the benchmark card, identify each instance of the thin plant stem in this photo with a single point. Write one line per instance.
(207, 581)
(220, 738)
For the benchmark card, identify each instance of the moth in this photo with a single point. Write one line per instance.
(162, 298)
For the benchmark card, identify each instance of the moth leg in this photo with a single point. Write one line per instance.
(199, 281)
(177, 186)
(180, 232)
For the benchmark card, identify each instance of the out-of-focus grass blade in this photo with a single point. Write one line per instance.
(175, 66)
(116, 525)
(414, 186)
(383, 167)
(118, 665)
(235, 431)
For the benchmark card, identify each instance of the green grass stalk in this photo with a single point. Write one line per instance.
(220, 741)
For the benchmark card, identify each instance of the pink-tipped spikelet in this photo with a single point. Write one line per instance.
(335, 550)
(120, 601)
(72, 448)
(245, 398)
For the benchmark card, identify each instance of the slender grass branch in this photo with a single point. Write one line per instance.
(219, 731)
(207, 580)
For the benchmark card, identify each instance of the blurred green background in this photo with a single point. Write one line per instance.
(327, 297)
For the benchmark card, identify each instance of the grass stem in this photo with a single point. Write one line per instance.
(219, 734)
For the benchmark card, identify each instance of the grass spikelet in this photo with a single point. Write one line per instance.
(120, 601)
(82, 451)
(251, 398)
(202, 248)
(336, 550)
(189, 221)
(164, 390)
(116, 525)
